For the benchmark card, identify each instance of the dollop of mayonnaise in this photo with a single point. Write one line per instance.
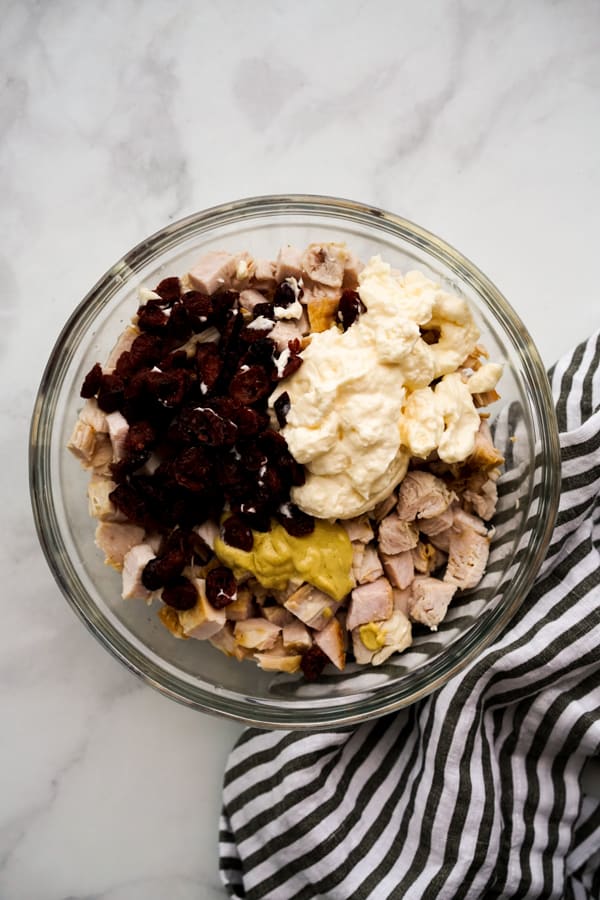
(361, 403)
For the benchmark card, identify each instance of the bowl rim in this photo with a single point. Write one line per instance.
(248, 710)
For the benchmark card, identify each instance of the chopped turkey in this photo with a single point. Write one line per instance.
(82, 443)
(422, 496)
(352, 269)
(170, 619)
(312, 606)
(402, 600)
(358, 553)
(134, 563)
(208, 531)
(437, 524)
(358, 529)
(467, 558)
(396, 535)
(362, 655)
(370, 603)
(264, 275)
(256, 634)
(296, 636)
(116, 539)
(464, 519)
(225, 641)
(384, 507)
(99, 503)
(278, 659)
(118, 429)
(399, 568)
(213, 271)
(427, 558)
(397, 636)
(430, 600)
(370, 567)
(251, 298)
(484, 453)
(122, 346)
(93, 416)
(278, 615)
(324, 263)
(289, 262)
(286, 330)
(202, 621)
(483, 502)
(242, 607)
(331, 640)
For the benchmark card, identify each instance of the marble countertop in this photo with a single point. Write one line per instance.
(479, 121)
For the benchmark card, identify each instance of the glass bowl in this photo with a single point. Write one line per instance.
(195, 673)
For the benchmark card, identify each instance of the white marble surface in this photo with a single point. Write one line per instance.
(479, 121)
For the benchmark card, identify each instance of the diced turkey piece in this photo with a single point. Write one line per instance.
(467, 558)
(402, 600)
(396, 535)
(430, 600)
(289, 262)
(358, 529)
(352, 269)
(123, 344)
(381, 510)
(102, 456)
(116, 539)
(242, 607)
(362, 654)
(437, 524)
(208, 531)
(427, 558)
(99, 504)
(134, 563)
(441, 540)
(358, 553)
(331, 641)
(369, 568)
(462, 520)
(278, 615)
(244, 271)
(286, 330)
(118, 429)
(296, 636)
(278, 659)
(82, 443)
(484, 453)
(484, 501)
(312, 606)
(154, 538)
(282, 595)
(324, 263)
(422, 496)
(225, 641)
(215, 270)
(370, 603)
(93, 416)
(251, 298)
(170, 619)
(256, 634)
(397, 632)
(399, 569)
(264, 275)
(202, 621)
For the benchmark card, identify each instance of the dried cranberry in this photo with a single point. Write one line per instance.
(163, 569)
(263, 309)
(146, 350)
(209, 365)
(167, 388)
(250, 422)
(176, 360)
(296, 523)
(349, 309)
(221, 587)
(313, 662)
(199, 309)
(208, 427)
(152, 319)
(237, 534)
(193, 469)
(128, 501)
(223, 302)
(180, 594)
(282, 407)
(260, 351)
(285, 294)
(179, 325)
(200, 550)
(250, 385)
(91, 382)
(168, 288)
(291, 366)
(255, 514)
(140, 437)
(110, 393)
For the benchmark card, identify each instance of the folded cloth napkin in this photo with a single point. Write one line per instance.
(474, 791)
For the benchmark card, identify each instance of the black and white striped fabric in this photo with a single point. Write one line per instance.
(475, 791)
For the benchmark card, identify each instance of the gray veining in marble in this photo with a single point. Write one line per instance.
(480, 121)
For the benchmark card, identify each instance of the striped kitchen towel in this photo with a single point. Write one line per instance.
(475, 791)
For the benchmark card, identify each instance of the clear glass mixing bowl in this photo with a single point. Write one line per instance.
(193, 672)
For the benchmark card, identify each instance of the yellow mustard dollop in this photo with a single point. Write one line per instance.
(372, 636)
(323, 558)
